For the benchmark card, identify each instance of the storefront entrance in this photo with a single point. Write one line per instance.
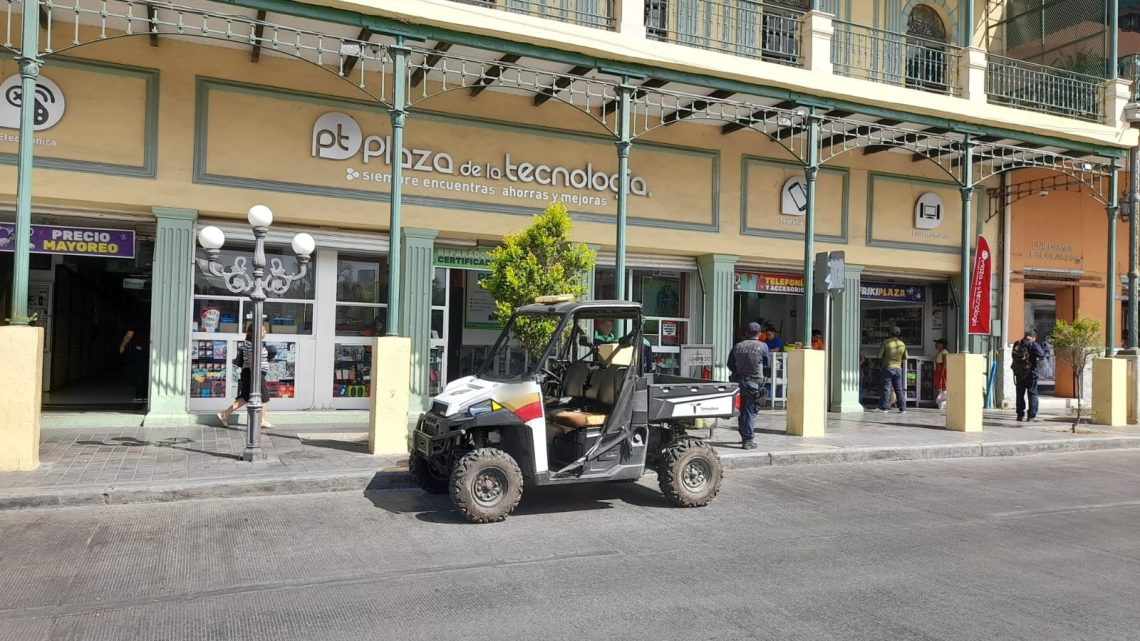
(1041, 315)
(89, 288)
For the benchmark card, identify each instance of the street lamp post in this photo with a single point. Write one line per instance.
(257, 285)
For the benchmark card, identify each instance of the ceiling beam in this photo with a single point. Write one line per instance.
(152, 23)
(858, 132)
(696, 105)
(430, 62)
(258, 34)
(912, 137)
(951, 149)
(759, 114)
(350, 62)
(494, 72)
(788, 131)
(641, 90)
(560, 84)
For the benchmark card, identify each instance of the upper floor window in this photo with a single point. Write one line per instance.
(926, 41)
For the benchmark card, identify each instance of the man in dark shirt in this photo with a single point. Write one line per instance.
(1027, 353)
(747, 361)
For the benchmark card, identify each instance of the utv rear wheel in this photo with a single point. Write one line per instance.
(486, 485)
(689, 473)
(429, 480)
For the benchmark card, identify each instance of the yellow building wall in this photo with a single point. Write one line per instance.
(259, 138)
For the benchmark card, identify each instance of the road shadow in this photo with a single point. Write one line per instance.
(536, 501)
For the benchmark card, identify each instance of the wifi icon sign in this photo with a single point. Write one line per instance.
(49, 103)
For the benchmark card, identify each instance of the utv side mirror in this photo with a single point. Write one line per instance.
(583, 341)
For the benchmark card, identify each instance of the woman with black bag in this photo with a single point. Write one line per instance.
(244, 360)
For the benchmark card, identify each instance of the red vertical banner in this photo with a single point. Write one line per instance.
(980, 288)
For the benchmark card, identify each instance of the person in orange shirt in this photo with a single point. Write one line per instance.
(817, 339)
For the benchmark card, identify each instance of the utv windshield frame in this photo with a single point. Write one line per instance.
(616, 310)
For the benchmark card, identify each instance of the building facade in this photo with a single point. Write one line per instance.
(878, 129)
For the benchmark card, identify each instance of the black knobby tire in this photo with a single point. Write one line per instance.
(486, 485)
(689, 473)
(424, 477)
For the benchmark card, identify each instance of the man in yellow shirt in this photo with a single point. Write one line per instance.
(893, 356)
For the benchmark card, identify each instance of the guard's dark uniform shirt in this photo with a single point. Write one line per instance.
(748, 359)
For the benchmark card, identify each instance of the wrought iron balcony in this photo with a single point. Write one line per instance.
(741, 27)
(588, 13)
(1035, 87)
(859, 51)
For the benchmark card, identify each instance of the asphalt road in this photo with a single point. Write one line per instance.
(1033, 548)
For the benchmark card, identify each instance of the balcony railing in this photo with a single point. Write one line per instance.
(741, 27)
(858, 51)
(588, 13)
(1035, 87)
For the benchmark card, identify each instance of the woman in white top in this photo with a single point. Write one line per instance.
(245, 388)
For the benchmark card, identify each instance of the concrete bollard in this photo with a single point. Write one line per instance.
(391, 393)
(965, 392)
(1132, 357)
(807, 392)
(21, 384)
(1109, 394)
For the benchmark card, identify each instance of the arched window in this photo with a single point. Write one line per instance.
(926, 41)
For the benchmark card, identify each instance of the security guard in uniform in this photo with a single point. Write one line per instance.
(747, 361)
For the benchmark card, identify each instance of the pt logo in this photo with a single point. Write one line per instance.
(336, 136)
(49, 103)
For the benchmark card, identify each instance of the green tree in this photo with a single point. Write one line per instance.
(1074, 344)
(537, 261)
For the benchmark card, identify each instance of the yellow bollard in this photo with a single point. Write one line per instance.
(965, 392)
(807, 392)
(1109, 391)
(21, 383)
(391, 393)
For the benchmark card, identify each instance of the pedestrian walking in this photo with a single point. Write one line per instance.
(244, 360)
(747, 361)
(1027, 353)
(892, 355)
(940, 355)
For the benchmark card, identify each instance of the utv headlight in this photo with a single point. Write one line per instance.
(480, 408)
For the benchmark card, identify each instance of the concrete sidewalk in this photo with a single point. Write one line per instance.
(109, 465)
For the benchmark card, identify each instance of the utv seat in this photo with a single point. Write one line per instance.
(600, 395)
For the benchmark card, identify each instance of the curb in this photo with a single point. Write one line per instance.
(744, 461)
(393, 478)
(397, 478)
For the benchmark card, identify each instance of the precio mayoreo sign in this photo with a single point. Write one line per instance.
(73, 241)
(337, 136)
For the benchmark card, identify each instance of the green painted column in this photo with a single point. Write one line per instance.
(811, 172)
(1111, 339)
(846, 342)
(399, 115)
(624, 142)
(416, 272)
(172, 291)
(967, 191)
(717, 276)
(30, 64)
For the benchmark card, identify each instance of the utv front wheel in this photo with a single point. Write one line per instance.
(689, 473)
(428, 479)
(486, 485)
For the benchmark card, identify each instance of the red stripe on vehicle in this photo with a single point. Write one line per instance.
(529, 412)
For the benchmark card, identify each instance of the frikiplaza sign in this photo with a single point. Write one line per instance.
(337, 136)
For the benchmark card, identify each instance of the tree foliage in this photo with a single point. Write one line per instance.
(1074, 344)
(537, 261)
